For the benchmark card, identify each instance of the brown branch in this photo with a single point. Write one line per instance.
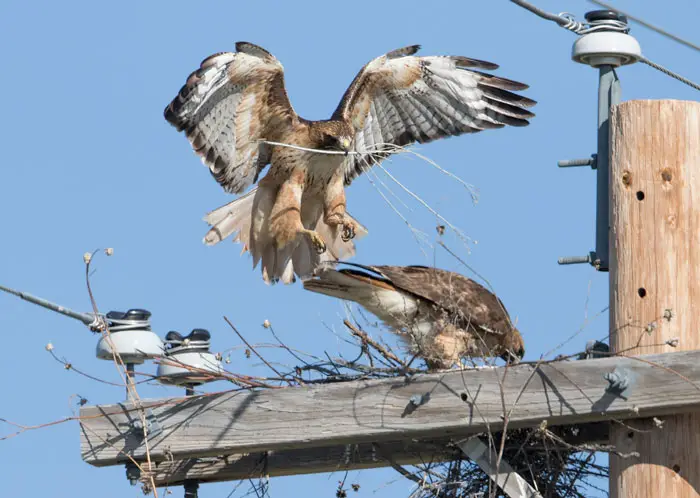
(366, 339)
(250, 346)
(121, 368)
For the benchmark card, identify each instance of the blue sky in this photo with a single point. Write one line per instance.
(89, 162)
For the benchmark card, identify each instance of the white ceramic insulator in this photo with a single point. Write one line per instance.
(134, 346)
(172, 370)
(606, 48)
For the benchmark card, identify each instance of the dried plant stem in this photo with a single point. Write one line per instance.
(368, 340)
(233, 327)
(122, 370)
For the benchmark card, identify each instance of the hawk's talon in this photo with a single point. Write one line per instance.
(348, 232)
(316, 241)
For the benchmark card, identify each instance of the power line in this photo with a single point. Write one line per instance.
(568, 21)
(645, 24)
(561, 21)
(670, 73)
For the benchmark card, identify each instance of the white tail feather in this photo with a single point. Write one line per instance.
(392, 306)
(234, 217)
(247, 220)
(336, 284)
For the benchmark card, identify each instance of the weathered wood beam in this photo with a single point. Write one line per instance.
(334, 458)
(452, 405)
(302, 461)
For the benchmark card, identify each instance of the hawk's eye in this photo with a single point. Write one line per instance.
(329, 141)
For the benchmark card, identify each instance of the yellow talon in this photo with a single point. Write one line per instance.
(316, 241)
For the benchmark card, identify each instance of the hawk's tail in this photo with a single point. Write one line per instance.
(247, 218)
(351, 285)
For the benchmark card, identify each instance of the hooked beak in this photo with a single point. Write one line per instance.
(345, 145)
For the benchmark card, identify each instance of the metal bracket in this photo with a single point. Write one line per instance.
(191, 486)
(608, 96)
(153, 427)
(133, 473)
(414, 402)
(618, 380)
(595, 349)
(503, 476)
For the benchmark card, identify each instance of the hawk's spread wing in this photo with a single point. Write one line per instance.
(399, 99)
(453, 292)
(226, 106)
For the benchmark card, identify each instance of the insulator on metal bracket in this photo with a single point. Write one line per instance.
(607, 45)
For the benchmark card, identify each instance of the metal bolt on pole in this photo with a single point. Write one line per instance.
(573, 163)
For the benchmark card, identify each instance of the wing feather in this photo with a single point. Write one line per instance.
(226, 106)
(460, 296)
(400, 98)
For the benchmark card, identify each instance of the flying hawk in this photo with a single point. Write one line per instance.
(444, 316)
(296, 217)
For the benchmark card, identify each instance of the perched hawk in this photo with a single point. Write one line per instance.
(444, 316)
(296, 217)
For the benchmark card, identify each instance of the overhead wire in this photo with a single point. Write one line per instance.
(560, 20)
(670, 73)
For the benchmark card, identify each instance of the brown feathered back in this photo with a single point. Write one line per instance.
(444, 316)
(453, 292)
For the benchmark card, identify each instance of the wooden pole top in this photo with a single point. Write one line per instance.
(655, 279)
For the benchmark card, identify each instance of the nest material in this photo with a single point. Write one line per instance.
(553, 467)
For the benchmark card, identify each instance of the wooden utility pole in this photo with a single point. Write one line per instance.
(655, 281)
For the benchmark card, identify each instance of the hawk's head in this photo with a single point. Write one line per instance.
(515, 348)
(334, 135)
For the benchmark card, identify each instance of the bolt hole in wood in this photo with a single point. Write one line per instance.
(640, 195)
(642, 292)
(677, 469)
(626, 178)
(630, 434)
(463, 396)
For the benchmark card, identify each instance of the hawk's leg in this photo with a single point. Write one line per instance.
(334, 213)
(285, 218)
